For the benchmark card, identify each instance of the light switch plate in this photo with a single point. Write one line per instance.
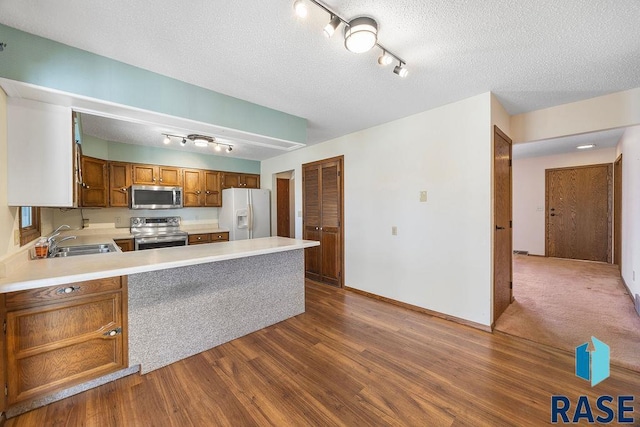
(423, 196)
(394, 230)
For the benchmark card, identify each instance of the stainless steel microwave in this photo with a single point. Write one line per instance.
(155, 197)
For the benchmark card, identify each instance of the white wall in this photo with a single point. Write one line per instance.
(629, 146)
(441, 257)
(529, 193)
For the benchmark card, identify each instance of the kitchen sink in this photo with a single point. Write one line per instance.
(83, 250)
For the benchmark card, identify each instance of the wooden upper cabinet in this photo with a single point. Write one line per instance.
(240, 180)
(93, 189)
(192, 189)
(170, 176)
(119, 183)
(156, 175)
(212, 189)
(201, 188)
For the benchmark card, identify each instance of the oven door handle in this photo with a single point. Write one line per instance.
(159, 239)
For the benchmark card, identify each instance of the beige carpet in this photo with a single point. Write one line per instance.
(562, 303)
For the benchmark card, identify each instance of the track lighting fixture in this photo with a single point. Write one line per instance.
(198, 141)
(360, 34)
(301, 8)
(332, 26)
(385, 58)
(400, 69)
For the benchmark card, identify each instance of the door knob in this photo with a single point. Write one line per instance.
(553, 209)
(552, 214)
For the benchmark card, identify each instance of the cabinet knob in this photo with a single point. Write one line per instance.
(208, 192)
(317, 228)
(198, 191)
(113, 332)
(199, 238)
(219, 237)
(160, 179)
(123, 189)
(68, 290)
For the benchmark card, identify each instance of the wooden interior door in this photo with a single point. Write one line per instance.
(617, 212)
(578, 206)
(282, 202)
(502, 249)
(311, 220)
(322, 220)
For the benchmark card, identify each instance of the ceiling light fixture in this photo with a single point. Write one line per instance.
(301, 8)
(385, 58)
(332, 26)
(360, 34)
(586, 146)
(400, 69)
(198, 140)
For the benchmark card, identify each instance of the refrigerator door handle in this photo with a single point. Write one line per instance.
(250, 221)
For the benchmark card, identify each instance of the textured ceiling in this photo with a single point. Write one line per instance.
(531, 54)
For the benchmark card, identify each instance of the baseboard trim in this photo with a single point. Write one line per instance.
(422, 310)
(540, 256)
(633, 300)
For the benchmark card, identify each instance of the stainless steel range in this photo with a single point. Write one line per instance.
(158, 232)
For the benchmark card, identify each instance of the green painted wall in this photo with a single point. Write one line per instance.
(32, 59)
(109, 150)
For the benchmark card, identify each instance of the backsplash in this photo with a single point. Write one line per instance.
(119, 217)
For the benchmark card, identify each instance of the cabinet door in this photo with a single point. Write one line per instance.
(94, 183)
(311, 221)
(39, 166)
(212, 189)
(192, 189)
(250, 181)
(231, 180)
(119, 183)
(144, 174)
(170, 176)
(53, 347)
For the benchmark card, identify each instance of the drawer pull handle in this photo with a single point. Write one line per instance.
(113, 332)
(68, 290)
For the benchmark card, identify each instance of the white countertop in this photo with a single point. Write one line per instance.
(54, 271)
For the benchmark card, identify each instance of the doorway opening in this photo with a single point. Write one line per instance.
(285, 204)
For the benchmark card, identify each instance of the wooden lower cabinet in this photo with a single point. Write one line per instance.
(61, 336)
(200, 238)
(126, 245)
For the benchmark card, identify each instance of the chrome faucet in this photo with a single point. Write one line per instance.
(51, 239)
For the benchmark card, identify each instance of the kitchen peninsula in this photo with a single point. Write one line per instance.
(184, 300)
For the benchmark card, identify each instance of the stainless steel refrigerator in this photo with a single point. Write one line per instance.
(245, 213)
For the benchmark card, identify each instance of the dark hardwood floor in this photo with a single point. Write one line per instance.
(349, 360)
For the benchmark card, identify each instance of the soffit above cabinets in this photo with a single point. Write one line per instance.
(119, 123)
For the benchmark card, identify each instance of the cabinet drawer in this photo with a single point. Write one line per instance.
(52, 294)
(195, 239)
(220, 237)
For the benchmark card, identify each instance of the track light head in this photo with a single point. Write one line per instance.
(401, 70)
(217, 147)
(183, 142)
(331, 27)
(300, 7)
(385, 58)
(361, 34)
(229, 148)
(167, 140)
